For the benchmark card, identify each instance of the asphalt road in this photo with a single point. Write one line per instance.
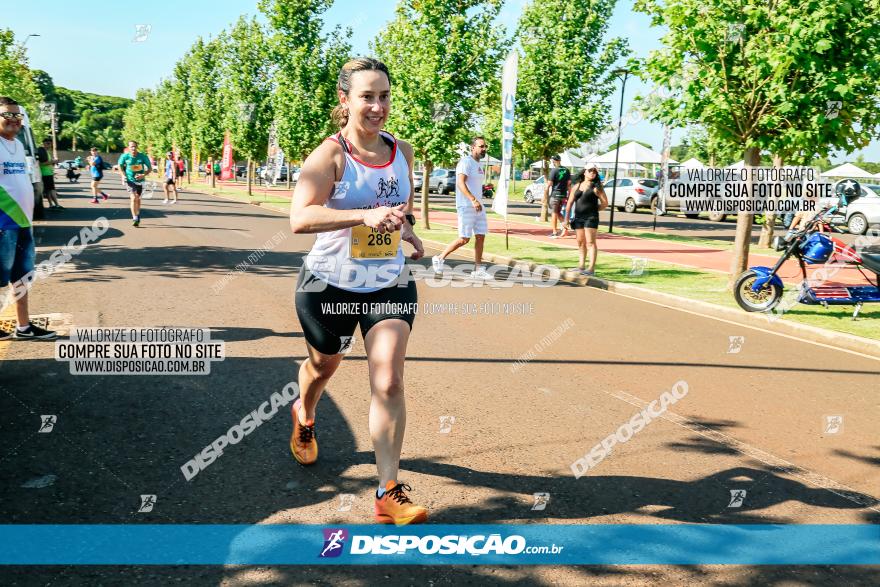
(753, 419)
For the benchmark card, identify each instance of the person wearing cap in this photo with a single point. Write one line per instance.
(170, 172)
(560, 179)
(587, 199)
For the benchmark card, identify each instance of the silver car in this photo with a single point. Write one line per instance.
(864, 212)
(632, 192)
(534, 192)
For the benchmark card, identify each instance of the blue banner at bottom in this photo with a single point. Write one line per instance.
(507, 544)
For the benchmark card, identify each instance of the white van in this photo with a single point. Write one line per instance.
(26, 136)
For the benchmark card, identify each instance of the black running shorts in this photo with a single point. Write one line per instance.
(329, 314)
(591, 221)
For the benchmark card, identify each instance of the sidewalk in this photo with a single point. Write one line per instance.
(674, 253)
(698, 257)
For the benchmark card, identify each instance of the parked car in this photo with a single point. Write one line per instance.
(442, 181)
(107, 166)
(65, 164)
(632, 192)
(240, 170)
(535, 190)
(864, 212)
(418, 180)
(259, 171)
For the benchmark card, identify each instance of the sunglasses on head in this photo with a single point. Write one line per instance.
(12, 115)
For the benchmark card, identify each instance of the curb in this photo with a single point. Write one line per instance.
(839, 340)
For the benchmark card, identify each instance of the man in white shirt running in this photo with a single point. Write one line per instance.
(472, 221)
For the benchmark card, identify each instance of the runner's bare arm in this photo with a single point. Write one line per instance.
(407, 151)
(603, 200)
(406, 231)
(569, 202)
(317, 183)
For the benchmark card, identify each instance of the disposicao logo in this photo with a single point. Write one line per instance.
(334, 541)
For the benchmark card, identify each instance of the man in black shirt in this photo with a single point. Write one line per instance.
(560, 180)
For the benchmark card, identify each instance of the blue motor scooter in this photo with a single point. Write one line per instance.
(760, 289)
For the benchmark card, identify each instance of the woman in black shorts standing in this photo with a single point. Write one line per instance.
(355, 192)
(588, 199)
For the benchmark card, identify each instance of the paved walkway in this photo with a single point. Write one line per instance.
(666, 251)
(677, 253)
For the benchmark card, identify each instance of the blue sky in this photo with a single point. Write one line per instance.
(74, 36)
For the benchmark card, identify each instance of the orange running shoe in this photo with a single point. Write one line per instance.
(303, 444)
(394, 507)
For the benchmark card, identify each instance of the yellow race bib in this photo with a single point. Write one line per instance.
(369, 243)
(136, 167)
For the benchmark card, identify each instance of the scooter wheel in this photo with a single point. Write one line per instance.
(763, 300)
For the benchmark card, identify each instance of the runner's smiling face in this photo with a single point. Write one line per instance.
(369, 100)
(9, 127)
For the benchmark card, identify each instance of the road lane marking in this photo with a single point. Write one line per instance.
(740, 324)
(786, 467)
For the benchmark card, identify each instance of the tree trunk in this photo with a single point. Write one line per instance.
(740, 260)
(250, 174)
(545, 195)
(429, 168)
(289, 172)
(74, 142)
(769, 218)
(213, 178)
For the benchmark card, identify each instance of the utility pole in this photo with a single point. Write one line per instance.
(617, 72)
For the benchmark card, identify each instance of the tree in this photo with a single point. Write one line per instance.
(16, 80)
(765, 74)
(441, 55)
(206, 98)
(77, 130)
(135, 119)
(308, 64)
(108, 138)
(247, 83)
(564, 75)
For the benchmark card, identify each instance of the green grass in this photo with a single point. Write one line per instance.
(663, 236)
(259, 195)
(666, 278)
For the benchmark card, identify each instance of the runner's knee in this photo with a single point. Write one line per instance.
(322, 367)
(387, 381)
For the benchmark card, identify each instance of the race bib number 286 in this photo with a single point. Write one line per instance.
(369, 243)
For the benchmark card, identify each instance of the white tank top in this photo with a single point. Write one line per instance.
(362, 187)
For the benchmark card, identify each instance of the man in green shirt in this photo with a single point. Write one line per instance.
(134, 167)
(47, 173)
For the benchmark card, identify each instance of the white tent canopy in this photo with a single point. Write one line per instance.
(846, 170)
(568, 160)
(632, 153)
(738, 165)
(693, 163)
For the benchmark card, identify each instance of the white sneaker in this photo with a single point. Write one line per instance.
(481, 273)
(165, 201)
(438, 264)
(173, 201)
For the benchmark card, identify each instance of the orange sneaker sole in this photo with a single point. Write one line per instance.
(417, 519)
